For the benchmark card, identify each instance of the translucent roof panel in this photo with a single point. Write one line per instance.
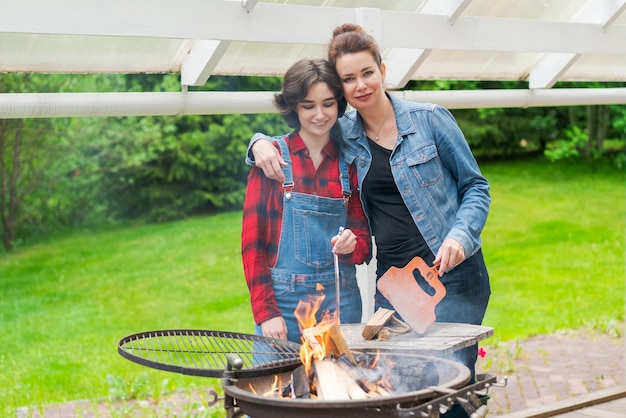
(540, 41)
(477, 65)
(552, 10)
(252, 57)
(586, 68)
(89, 54)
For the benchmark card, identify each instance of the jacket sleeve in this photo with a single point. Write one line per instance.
(249, 155)
(472, 186)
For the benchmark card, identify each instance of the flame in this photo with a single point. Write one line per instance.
(324, 340)
(307, 309)
(312, 349)
(383, 367)
(275, 388)
(375, 361)
(274, 391)
(385, 382)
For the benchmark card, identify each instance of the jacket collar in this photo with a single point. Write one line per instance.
(404, 122)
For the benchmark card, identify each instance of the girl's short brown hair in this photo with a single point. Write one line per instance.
(296, 84)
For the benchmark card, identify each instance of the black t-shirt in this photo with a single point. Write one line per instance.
(397, 238)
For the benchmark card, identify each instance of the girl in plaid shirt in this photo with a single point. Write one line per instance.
(289, 228)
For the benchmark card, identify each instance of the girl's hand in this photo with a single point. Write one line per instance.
(275, 328)
(345, 243)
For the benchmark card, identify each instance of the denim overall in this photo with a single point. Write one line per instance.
(305, 256)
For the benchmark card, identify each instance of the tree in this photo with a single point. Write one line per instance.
(588, 128)
(38, 165)
(597, 126)
(557, 132)
(166, 168)
(9, 168)
(57, 173)
(29, 156)
(31, 161)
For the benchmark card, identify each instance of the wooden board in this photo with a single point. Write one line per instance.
(376, 322)
(606, 403)
(440, 339)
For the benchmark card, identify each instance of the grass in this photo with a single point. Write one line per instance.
(67, 303)
(554, 244)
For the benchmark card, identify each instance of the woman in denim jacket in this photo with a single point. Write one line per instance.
(421, 188)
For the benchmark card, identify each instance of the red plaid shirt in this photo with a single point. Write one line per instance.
(263, 211)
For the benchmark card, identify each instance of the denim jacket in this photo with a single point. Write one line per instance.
(434, 169)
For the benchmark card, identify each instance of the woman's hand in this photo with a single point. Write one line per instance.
(450, 254)
(275, 328)
(344, 243)
(268, 159)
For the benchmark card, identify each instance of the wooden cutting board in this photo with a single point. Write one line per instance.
(413, 304)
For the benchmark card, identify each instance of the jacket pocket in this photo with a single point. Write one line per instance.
(426, 165)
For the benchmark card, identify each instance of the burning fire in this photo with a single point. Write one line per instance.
(329, 369)
(307, 309)
(315, 345)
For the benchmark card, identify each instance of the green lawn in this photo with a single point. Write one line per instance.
(554, 244)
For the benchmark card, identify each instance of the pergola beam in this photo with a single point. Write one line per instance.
(249, 4)
(228, 20)
(450, 8)
(200, 62)
(549, 68)
(199, 38)
(552, 66)
(59, 105)
(402, 63)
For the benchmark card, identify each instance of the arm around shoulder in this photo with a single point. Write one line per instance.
(250, 160)
(263, 154)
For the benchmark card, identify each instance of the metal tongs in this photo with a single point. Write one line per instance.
(337, 279)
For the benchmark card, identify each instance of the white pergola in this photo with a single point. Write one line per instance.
(538, 41)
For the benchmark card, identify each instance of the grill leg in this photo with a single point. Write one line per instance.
(232, 410)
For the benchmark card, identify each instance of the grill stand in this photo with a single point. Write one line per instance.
(232, 410)
(468, 397)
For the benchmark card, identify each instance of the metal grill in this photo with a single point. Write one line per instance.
(206, 353)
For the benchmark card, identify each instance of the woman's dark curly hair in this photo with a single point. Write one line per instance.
(296, 84)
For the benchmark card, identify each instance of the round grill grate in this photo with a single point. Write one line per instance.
(206, 352)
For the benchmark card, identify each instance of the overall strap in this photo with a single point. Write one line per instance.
(287, 171)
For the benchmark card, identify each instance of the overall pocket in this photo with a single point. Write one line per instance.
(311, 240)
